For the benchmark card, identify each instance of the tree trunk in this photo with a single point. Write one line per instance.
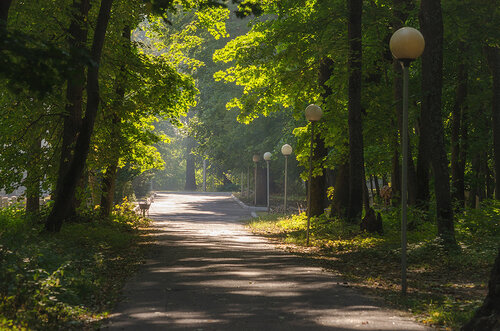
(261, 187)
(423, 193)
(341, 195)
(4, 14)
(318, 184)
(109, 177)
(457, 143)
(487, 317)
(396, 172)
(190, 184)
(493, 59)
(356, 163)
(401, 9)
(65, 189)
(33, 178)
(377, 186)
(488, 180)
(74, 90)
(431, 23)
(475, 183)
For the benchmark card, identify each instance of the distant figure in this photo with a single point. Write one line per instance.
(386, 194)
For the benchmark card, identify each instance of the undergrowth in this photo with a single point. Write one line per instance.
(67, 280)
(445, 286)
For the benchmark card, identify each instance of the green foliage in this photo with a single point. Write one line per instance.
(65, 281)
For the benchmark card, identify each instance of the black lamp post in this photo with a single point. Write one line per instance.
(286, 150)
(313, 114)
(406, 45)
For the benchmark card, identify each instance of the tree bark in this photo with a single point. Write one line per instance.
(493, 59)
(65, 190)
(341, 195)
(487, 317)
(431, 23)
(33, 179)
(377, 186)
(75, 85)
(318, 183)
(4, 13)
(401, 9)
(261, 187)
(356, 162)
(109, 177)
(457, 136)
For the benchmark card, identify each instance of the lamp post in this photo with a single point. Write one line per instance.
(267, 157)
(204, 175)
(248, 182)
(313, 114)
(241, 182)
(255, 159)
(406, 45)
(286, 150)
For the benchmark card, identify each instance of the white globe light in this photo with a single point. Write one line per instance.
(256, 158)
(267, 156)
(407, 44)
(313, 113)
(286, 149)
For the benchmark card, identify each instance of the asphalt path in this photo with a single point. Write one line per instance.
(205, 271)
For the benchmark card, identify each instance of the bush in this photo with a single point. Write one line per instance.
(64, 280)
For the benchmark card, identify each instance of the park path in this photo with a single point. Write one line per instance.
(207, 272)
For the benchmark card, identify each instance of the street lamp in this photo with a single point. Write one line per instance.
(406, 45)
(267, 158)
(255, 159)
(286, 150)
(313, 114)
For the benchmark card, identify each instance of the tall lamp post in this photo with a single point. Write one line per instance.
(255, 159)
(267, 158)
(313, 114)
(406, 45)
(286, 150)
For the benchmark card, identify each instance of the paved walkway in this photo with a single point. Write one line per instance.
(207, 272)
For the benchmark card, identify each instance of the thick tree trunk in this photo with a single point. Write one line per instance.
(318, 183)
(401, 9)
(412, 177)
(431, 23)
(74, 91)
(457, 138)
(487, 317)
(356, 163)
(261, 187)
(341, 196)
(65, 190)
(190, 184)
(108, 188)
(493, 58)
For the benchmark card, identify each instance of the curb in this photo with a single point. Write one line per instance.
(251, 209)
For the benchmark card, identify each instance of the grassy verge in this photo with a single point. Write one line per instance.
(444, 287)
(68, 280)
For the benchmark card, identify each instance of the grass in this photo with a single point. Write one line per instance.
(68, 280)
(444, 286)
